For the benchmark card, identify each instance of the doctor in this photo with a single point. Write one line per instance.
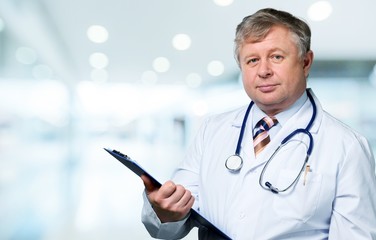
(319, 185)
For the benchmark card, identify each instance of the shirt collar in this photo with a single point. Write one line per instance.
(282, 117)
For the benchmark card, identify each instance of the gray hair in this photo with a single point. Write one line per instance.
(255, 27)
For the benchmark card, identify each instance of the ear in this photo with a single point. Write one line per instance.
(307, 62)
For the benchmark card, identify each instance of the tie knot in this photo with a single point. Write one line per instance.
(267, 123)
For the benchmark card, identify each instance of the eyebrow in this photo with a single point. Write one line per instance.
(269, 51)
(277, 49)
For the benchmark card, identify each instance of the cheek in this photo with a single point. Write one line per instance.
(291, 76)
(248, 84)
(248, 77)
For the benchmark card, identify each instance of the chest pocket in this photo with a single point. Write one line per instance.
(301, 201)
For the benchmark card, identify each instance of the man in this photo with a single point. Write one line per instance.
(264, 195)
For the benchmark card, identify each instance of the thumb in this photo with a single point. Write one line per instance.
(149, 186)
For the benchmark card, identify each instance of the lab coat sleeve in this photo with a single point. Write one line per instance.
(354, 208)
(187, 174)
(169, 230)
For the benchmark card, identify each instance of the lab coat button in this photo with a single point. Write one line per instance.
(242, 215)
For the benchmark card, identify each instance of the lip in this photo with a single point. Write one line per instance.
(267, 88)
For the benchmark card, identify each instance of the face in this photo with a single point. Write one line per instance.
(274, 75)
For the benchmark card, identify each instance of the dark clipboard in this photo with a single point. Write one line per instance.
(205, 227)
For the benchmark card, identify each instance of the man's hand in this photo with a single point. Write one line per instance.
(170, 202)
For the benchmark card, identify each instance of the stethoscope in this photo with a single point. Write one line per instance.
(235, 162)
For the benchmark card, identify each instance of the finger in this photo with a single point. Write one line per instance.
(149, 186)
(190, 203)
(184, 209)
(186, 199)
(167, 189)
(177, 192)
(180, 198)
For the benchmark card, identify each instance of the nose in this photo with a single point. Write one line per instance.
(264, 70)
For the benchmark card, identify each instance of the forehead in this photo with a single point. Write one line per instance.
(276, 31)
(276, 37)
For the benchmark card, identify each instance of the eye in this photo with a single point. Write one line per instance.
(252, 61)
(277, 58)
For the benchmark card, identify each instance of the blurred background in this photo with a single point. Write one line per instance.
(139, 76)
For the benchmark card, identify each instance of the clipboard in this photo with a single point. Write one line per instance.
(206, 228)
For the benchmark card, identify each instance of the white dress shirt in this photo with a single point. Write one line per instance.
(335, 200)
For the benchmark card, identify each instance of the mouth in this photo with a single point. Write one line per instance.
(267, 88)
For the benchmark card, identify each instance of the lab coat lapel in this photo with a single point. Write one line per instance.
(246, 150)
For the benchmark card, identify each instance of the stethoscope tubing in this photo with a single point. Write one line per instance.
(241, 134)
(306, 131)
(297, 131)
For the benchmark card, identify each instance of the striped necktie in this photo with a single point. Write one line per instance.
(261, 137)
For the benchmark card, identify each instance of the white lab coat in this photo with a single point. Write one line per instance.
(337, 200)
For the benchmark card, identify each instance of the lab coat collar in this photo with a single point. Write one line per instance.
(239, 116)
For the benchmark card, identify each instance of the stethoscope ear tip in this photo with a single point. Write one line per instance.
(272, 189)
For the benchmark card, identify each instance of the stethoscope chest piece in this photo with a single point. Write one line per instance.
(234, 163)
